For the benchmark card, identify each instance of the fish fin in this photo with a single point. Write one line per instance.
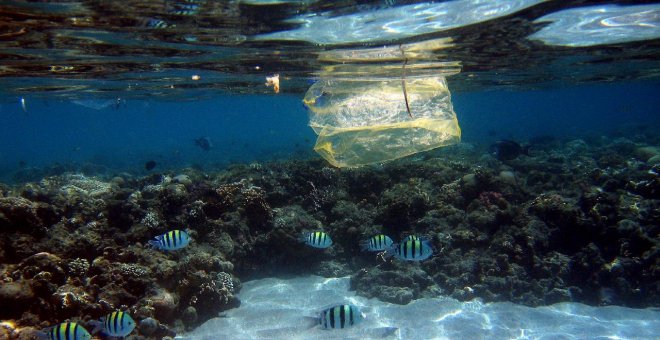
(328, 306)
(155, 243)
(423, 239)
(364, 245)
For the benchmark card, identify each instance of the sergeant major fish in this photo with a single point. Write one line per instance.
(340, 316)
(117, 324)
(317, 239)
(65, 331)
(171, 240)
(411, 237)
(377, 243)
(411, 250)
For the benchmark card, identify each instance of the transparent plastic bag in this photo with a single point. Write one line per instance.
(365, 121)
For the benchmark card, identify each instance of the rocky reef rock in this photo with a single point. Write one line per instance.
(577, 220)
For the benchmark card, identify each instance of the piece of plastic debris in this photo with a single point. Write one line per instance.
(274, 81)
(363, 121)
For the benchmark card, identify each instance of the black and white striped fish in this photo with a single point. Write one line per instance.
(117, 324)
(65, 331)
(340, 316)
(412, 250)
(377, 243)
(171, 240)
(317, 239)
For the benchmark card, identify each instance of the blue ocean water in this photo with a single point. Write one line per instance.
(258, 128)
(241, 129)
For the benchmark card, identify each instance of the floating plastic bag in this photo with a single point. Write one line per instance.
(364, 121)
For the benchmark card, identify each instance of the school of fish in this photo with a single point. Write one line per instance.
(121, 324)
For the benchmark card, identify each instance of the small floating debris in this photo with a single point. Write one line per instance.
(274, 81)
(23, 104)
(98, 104)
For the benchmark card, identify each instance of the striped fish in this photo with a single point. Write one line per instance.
(66, 331)
(171, 240)
(118, 324)
(411, 237)
(340, 316)
(412, 250)
(317, 239)
(377, 243)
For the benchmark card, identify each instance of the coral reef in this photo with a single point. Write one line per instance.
(575, 221)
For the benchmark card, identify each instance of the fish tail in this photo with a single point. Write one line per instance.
(364, 245)
(310, 321)
(156, 243)
(98, 325)
(41, 335)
